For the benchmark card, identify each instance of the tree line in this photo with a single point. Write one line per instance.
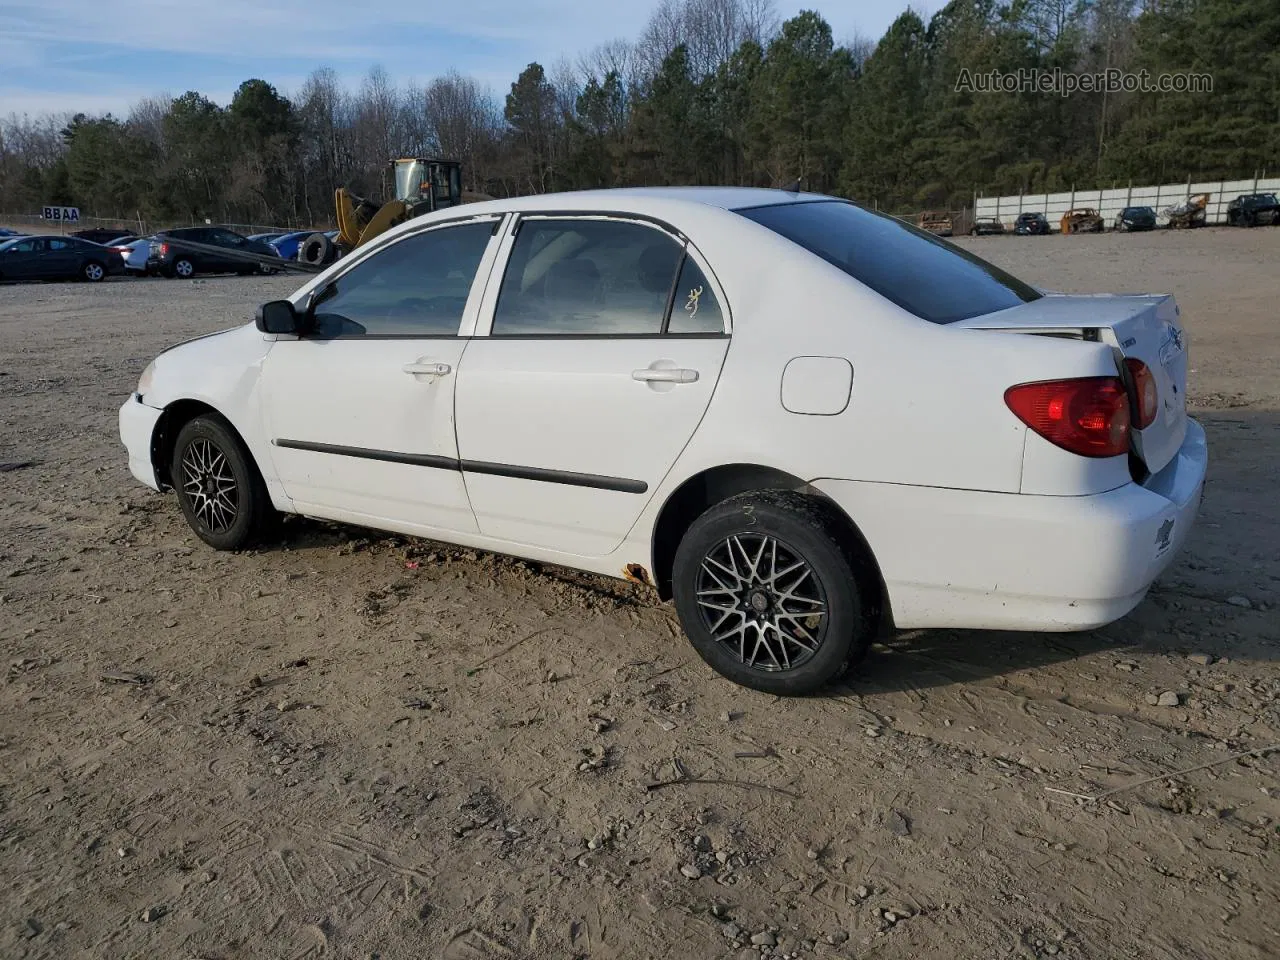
(712, 92)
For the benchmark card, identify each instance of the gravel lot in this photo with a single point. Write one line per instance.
(352, 746)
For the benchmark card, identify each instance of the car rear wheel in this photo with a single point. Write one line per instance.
(93, 272)
(184, 269)
(769, 594)
(219, 488)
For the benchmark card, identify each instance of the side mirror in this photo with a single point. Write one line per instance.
(279, 316)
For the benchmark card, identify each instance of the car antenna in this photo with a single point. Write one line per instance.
(793, 186)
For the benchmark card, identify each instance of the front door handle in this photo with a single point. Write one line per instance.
(421, 368)
(665, 375)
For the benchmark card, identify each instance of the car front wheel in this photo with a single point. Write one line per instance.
(769, 593)
(219, 488)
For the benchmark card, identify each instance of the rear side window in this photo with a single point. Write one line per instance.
(587, 278)
(695, 308)
(907, 266)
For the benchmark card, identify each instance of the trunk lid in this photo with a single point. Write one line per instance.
(1144, 327)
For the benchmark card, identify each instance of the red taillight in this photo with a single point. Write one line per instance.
(164, 249)
(1145, 391)
(1089, 416)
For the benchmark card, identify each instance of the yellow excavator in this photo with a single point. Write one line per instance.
(423, 185)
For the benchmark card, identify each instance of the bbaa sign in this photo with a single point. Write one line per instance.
(62, 214)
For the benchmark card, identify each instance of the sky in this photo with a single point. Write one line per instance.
(95, 56)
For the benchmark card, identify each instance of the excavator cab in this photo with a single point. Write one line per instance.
(434, 183)
(422, 186)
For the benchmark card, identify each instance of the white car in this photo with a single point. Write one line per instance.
(135, 256)
(803, 421)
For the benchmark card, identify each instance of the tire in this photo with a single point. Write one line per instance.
(183, 268)
(765, 531)
(316, 250)
(92, 271)
(208, 455)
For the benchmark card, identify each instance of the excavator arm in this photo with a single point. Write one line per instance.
(359, 221)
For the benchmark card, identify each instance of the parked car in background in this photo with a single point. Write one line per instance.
(1136, 218)
(1082, 220)
(1252, 209)
(552, 378)
(937, 222)
(57, 258)
(1189, 214)
(288, 245)
(6, 233)
(136, 254)
(121, 245)
(101, 235)
(986, 226)
(178, 253)
(265, 237)
(1031, 224)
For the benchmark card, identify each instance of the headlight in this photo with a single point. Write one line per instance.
(144, 381)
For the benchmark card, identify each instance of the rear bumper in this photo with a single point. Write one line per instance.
(137, 428)
(968, 559)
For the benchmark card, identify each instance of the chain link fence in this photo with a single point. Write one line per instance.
(35, 224)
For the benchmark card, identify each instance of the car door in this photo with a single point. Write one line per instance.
(21, 261)
(603, 343)
(63, 258)
(360, 411)
(233, 243)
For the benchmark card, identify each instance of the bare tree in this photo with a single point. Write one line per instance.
(860, 48)
(378, 129)
(463, 121)
(146, 118)
(616, 56)
(711, 30)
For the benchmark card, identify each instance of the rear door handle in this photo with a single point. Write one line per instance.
(665, 375)
(423, 369)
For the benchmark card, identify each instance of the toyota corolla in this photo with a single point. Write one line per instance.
(803, 421)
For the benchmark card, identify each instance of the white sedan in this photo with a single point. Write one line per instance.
(803, 421)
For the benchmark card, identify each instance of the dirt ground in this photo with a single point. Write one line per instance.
(352, 746)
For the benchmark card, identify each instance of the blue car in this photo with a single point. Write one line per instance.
(287, 245)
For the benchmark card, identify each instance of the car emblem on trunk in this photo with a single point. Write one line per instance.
(1171, 347)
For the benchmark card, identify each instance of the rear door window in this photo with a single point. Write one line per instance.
(917, 271)
(587, 278)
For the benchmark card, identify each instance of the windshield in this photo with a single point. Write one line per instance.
(910, 267)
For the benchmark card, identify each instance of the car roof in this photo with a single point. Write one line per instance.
(640, 199)
(658, 203)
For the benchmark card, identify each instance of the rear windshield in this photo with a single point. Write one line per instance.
(922, 274)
